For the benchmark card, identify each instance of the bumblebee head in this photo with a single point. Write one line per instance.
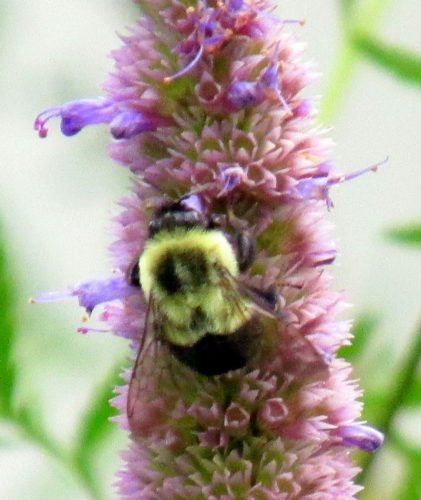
(186, 247)
(187, 212)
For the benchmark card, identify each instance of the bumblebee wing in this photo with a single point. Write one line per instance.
(145, 343)
(232, 294)
(265, 302)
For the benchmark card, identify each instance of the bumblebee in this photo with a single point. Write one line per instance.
(188, 272)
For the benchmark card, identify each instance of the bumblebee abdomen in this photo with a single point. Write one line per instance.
(186, 318)
(184, 327)
(217, 354)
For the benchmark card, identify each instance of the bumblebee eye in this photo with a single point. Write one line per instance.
(217, 221)
(133, 275)
(246, 248)
(271, 296)
(154, 227)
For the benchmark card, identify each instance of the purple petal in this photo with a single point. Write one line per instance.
(231, 176)
(356, 173)
(193, 202)
(269, 86)
(313, 189)
(305, 108)
(240, 94)
(317, 187)
(323, 169)
(76, 114)
(323, 257)
(234, 5)
(91, 293)
(130, 123)
(361, 436)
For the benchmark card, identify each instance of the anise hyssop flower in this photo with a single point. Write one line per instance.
(205, 108)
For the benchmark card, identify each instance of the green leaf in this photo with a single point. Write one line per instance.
(402, 63)
(413, 395)
(95, 424)
(93, 428)
(409, 234)
(406, 448)
(374, 403)
(29, 422)
(404, 378)
(364, 326)
(7, 332)
(411, 485)
(364, 13)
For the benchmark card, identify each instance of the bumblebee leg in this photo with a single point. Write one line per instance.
(133, 276)
(246, 248)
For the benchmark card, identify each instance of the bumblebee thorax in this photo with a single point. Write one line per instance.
(185, 261)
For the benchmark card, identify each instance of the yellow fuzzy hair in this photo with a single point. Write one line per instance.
(213, 243)
(223, 311)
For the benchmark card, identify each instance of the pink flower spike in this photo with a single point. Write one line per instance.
(238, 389)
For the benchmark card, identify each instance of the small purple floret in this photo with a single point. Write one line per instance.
(91, 293)
(305, 108)
(317, 187)
(269, 86)
(76, 114)
(240, 94)
(235, 5)
(361, 436)
(231, 177)
(193, 202)
(128, 124)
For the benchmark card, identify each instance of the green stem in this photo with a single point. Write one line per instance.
(405, 379)
(87, 477)
(400, 62)
(28, 426)
(339, 80)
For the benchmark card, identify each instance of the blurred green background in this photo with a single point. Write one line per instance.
(57, 196)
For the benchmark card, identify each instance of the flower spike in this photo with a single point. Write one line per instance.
(231, 154)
